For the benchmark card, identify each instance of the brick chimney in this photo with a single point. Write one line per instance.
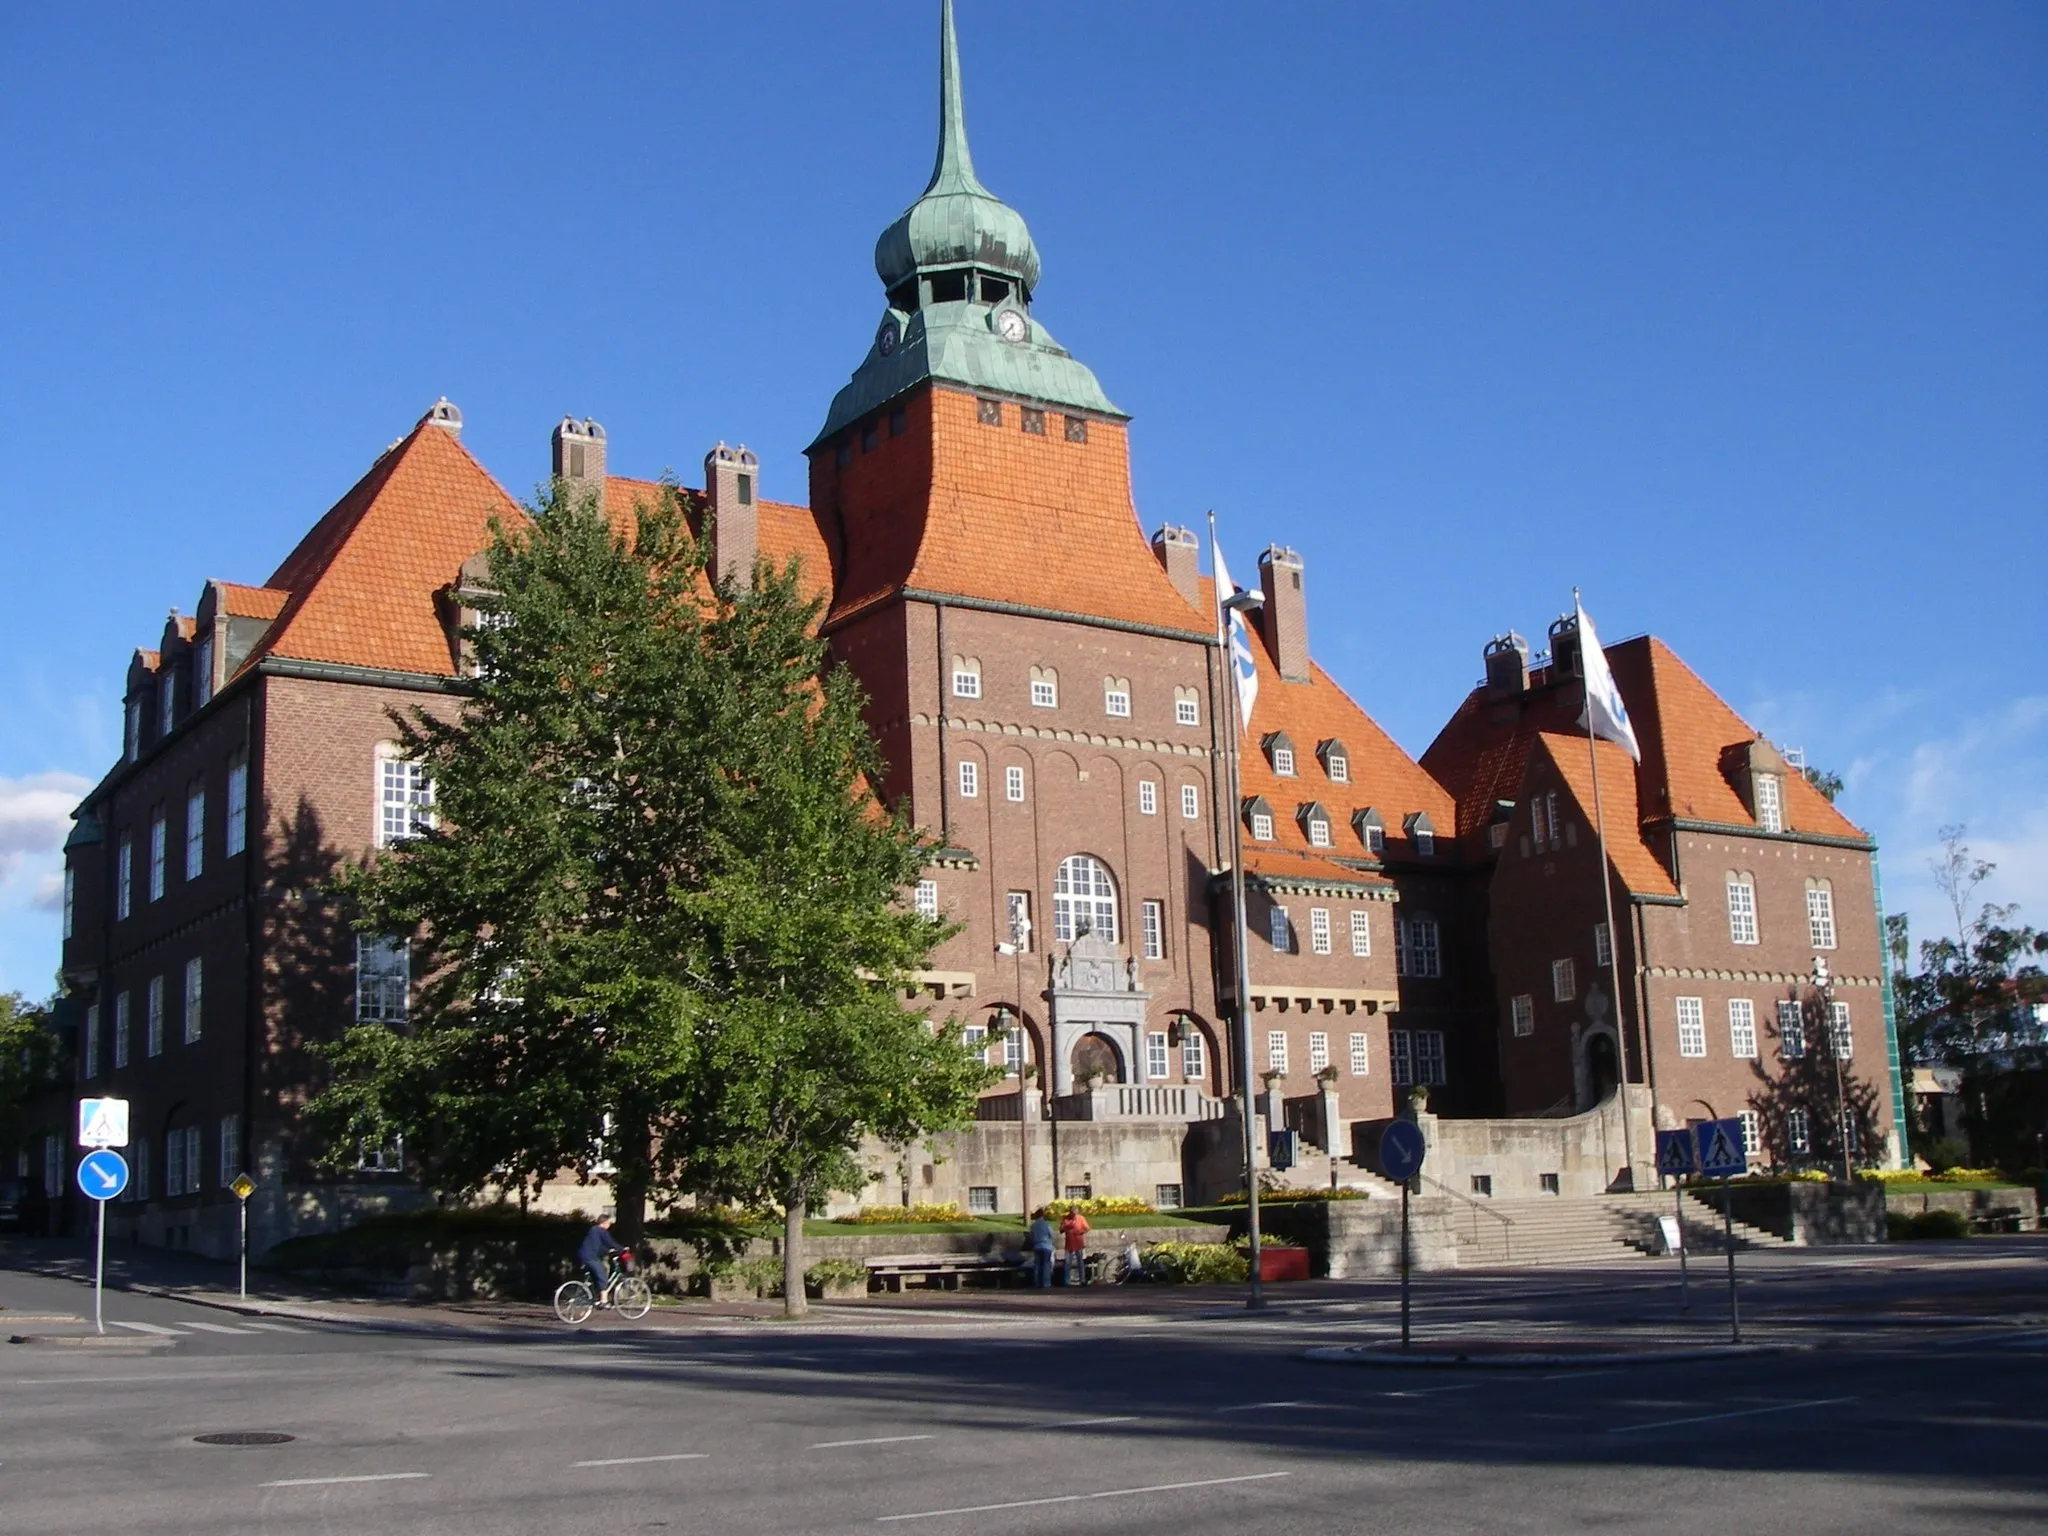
(1180, 552)
(1286, 613)
(578, 455)
(1507, 666)
(1564, 648)
(729, 480)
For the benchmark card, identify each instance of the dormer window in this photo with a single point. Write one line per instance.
(1280, 753)
(966, 677)
(1315, 825)
(1336, 761)
(1371, 830)
(1258, 817)
(1770, 804)
(1422, 832)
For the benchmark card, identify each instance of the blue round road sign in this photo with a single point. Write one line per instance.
(1401, 1151)
(103, 1174)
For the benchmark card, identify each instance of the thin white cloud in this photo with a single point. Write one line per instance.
(35, 818)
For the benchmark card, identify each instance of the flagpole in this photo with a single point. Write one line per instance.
(1628, 1147)
(1240, 956)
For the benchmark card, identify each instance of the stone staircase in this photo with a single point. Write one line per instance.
(1598, 1229)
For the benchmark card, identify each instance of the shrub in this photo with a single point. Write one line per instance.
(1944, 1153)
(762, 1276)
(1924, 1226)
(894, 1215)
(1298, 1196)
(827, 1272)
(1968, 1176)
(1101, 1205)
(1196, 1263)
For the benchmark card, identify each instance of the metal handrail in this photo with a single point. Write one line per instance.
(1507, 1239)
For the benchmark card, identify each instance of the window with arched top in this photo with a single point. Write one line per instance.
(1083, 900)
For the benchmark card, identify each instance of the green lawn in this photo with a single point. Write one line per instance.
(1930, 1186)
(1001, 1225)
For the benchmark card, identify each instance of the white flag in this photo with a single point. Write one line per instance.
(1604, 714)
(1230, 625)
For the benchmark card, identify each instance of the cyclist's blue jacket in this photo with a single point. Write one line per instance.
(596, 1244)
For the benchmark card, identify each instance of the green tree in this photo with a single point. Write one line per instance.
(1828, 783)
(30, 1058)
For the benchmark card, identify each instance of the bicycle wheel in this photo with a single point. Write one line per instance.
(573, 1301)
(632, 1298)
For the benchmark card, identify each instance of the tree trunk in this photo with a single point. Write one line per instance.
(629, 1206)
(794, 1302)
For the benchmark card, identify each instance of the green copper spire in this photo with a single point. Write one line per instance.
(953, 171)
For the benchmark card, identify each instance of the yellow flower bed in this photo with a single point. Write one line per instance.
(1101, 1205)
(895, 1215)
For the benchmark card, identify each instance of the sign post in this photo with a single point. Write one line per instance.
(1401, 1152)
(1722, 1157)
(102, 1125)
(1678, 1155)
(243, 1188)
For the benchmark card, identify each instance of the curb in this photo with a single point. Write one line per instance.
(94, 1340)
(1383, 1357)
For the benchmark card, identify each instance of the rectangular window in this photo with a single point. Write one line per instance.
(1194, 1064)
(1117, 702)
(1482, 1184)
(1820, 917)
(383, 979)
(1187, 712)
(236, 834)
(1190, 803)
(1791, 1029)
(926, 900)
(1077, 429)
(975, 1038)
(1013, 1048)
(202, 672)
(970, 778)
(989, 412)
(1283, 761)
(174, 1163)
(1319, 930)
(1603, 946)
(1361, 932)
(981, 1199)
(1339, 768)
(1522, 1014)
(1318, 832)
(1375, 838)
(1564, 981)
(1045, 693)
(131, 731)
(1318, 1050)
(138, 1185)
(1547, 1183)
(389, 1158)
(194, 984)
(1425, 958)
(1849, 1140)
(1361, 1061)
(1276, 1050)
(1279, 930)
(1017, 910)
(1401, 1057)
(1013, 782)
(1148, 798)
(1839, 1037)
(1032, 419)
(159, 852)
(70, 899)
(1166, 1197)
(1770, 810)
(1429, 1057)
(1798, 1140)
(1752, 1132)
(1741, 912)
(120, 1030)
(405, 800)
(1692, 1027)
(1742, 1029)
(1425, 843)
(153, 1017)
(966, 683)
(230, 1148)
(167, 704)
(92, 1040)
(195, 831)
(1156, 1055)
(1152, 917)
(1262, 826)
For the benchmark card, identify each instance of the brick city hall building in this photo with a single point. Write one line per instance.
(1046, 688)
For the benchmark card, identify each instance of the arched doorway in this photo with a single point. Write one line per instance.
(1095, 1055)
(1603, 1067)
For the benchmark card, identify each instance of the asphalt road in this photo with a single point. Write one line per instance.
(1890, 1408)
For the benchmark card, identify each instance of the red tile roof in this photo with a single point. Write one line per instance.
(786, 532)
(250, 602)
(1632, 859)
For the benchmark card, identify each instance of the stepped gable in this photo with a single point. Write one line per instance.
(362, 582)
(1682, 725)
(1633, 859)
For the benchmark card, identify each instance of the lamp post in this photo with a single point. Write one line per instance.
(1240, 603)
(1019, 941)
(1824, 984)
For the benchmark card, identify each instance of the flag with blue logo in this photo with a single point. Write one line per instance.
(1604, 715)
(1230, 623)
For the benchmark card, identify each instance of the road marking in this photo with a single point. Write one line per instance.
(1284, 1403)
(1734, 1413)
(834, 1445)
(273, 1327)
(634, 1461)
(1463, 1386)
(146, 1328)
(213, 1327)
(361, 1477)
(1078, 1498)
(1579, 1375)
(1115, 1418)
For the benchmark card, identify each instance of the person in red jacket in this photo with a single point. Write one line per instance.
(1074, 1228)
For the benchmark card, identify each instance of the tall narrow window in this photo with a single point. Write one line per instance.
(235, 836)
(1840, 1039)
(1430, 1063)
(383, 979)
(120, 1030)
(1522, 1013)
(1013, 782)
(1741, 910)
(92, 1040)
(1156, 1055)
(1279, 930)
(131, 730)
(1153, 914)
(70, 899)
(1798, 1140)
(153, 1017)
(1276, 1050)
(1752, 1132)
(195, 830)
(1742, 1029)
(1770, 809)
(1564, 981)
(1148, 798)
(1190, 803)
(159, 853)
(970, 778)
(1319, 930)
(1017, 911)
(1820, 916)
(1194, 1064)
(230, 1148)
(1083, 900)
(195, 982)
(926, 899)
(1692, 1027)
(1361, 1059)
(1318, 1051)
(1416, 948)
(1603, 945)
(1791, 1029)
(1361, 932)
(167, 703)
(1401, 1057)
(405, 800)
(202, 671)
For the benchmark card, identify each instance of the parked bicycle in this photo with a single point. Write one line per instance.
(624, 1293)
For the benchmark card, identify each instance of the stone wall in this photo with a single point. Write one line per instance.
(1360, 1239)
(1587, 1153)
(1108, 1158)
(1991, 1207)
(1808, 1213)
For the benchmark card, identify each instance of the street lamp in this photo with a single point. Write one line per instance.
(1019, 941)
(1824, 984)
(1234, 605)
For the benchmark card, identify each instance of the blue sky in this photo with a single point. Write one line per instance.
(1735, 316)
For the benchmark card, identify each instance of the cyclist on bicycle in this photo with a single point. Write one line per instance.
(594, 1254)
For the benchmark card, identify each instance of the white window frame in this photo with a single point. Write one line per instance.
(1770, 803)
(1791, 1030)
(1013, 783)
(924, 899)
(1194, 1054)
(1742, 1029)
(389, 1158)
(1318, 1051)
(1742, 923)
(1074, 908)
(383, 979)
(970, 778)
(1319, 930)
(1148, 797)
(1318, 832)
(195, 988)
(153, 1017)
(1820, 916)
(1522, 1013)
(405, 798)
(1425, 843)
(195, 830)
(1262, 826)
(1692, 1026)
(1016, 915)
(1157, 1059)
(1187, 712)
(1116, 703)
(1283, 762)
(1338, 766)
(1603, 945)
(235, 836)
(1798, 1133)
(159, 852)
(1752, 1133)
(1564, 980)
(1045, 693)
(1361, 1054)
(1279, 931)
(1361, 932)
(1190, 803)
(966, 680)
(1276, 1051)
(1841, 1033)
(1152, 928)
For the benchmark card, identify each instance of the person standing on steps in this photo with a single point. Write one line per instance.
(1038, 1243)
(1074, 1227)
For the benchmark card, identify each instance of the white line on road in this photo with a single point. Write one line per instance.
(1078, 1498)
(1734, 1413)
(213, 1327)
(834, 1445)
(1115, 1418)
(361, 1477)
(634, 1461)
(146, 1328)
(272, 1327)
(1284, 1403)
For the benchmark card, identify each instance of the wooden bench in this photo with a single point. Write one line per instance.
(943, 1271)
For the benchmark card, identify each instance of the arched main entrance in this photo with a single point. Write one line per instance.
(1096, 1055)
(1603, 1067)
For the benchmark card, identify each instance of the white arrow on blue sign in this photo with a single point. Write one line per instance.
(103, 1174)
(1401, 1150)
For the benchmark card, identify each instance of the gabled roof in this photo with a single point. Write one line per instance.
(1632, 859)
(785, 532)
(1682, 725)
(1267, 861)
(239, 602)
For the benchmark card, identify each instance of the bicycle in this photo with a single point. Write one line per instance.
(624, 1292)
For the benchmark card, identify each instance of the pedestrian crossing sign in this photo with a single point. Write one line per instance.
(1721, 1154)
(103, 1122)
(1677, 1152)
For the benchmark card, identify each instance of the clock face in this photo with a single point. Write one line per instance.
(1012, 326)
(886, 336)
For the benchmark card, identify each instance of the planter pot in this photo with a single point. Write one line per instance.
(721, 1287)
(837, 1290)
(1283, 1264)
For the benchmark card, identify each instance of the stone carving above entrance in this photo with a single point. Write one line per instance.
(1094, 993)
